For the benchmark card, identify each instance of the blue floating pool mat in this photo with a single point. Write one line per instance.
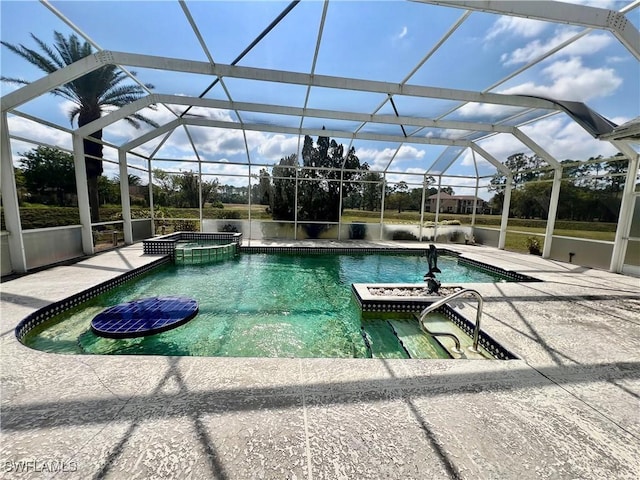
(143, 317)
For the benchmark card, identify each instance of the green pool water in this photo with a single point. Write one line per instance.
(259, 305)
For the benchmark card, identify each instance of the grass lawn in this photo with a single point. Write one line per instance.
(592, 235)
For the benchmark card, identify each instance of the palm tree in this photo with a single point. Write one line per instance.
(92, 94)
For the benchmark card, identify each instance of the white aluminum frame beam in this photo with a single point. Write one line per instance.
(490, 158)
(195, 30)
(451, 162)
(10, 201)
(323, 17)
(436, 219)
(558, 12)
(553, 212)
(626, 208)
(167, 127)
(144, 102)
(83, 194)
(344, 83)
(506, 205)
(205, 122)
(97, 60)
(199, 160)
(125, 200)
(536, 148)
(52, 81)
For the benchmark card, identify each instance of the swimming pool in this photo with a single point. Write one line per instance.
(262, 305)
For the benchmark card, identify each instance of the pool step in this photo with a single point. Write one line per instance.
(382, 341)
(436, 322)
(416, 342)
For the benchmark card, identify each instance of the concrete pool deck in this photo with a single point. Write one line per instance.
(569, 407)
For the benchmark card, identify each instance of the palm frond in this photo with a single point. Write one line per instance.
(122, 95)
(112, 78)
(64, 93)
(32, 57)
(142, 118)
(69, 49)
(73, 113)
(16, 81)
(131, 121)
(49, 51)
(61, 91)
(90, 93)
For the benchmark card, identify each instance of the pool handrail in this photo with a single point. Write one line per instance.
(456, 349)
(447, 299)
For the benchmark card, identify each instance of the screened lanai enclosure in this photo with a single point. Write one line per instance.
(321, 118)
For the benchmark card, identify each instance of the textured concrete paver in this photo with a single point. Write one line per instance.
(568, 408)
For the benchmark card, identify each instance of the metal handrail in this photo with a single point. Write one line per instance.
(445, 300)
(456, 349)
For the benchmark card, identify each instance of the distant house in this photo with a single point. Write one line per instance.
(456, 204)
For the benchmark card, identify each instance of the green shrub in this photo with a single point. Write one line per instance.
(181, 225)
(39, 217)
(227, 214)
(357, 231)
(403, 235)
(314, 230)
(534, 245)
(230, 228)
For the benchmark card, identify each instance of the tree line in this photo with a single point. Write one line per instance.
(590, 189)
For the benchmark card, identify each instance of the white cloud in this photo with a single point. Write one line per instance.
(563, 139)
(500, 146)
(486, 110)
(586, 45)
(516, 26)
(617, 59)
(568, 80)
(275, 147)
(461, 186)
(226, 173)
(22, 127)
(379, 159)
(404, 32)
(466, 160)
(571, 80)
(408, 152)
(452, 133)
(560, 136)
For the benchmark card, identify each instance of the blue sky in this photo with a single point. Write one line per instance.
(361, 39)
